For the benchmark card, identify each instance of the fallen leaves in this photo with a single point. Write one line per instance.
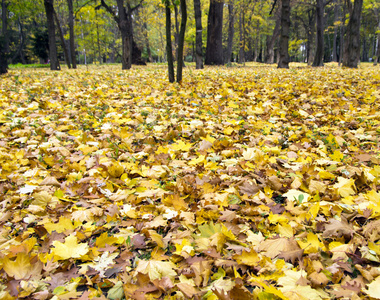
(239, 184)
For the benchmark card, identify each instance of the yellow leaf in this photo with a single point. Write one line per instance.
(19, 268)
(182, 146)
(374, 288)
(156, 269)
(345, 186)
(337, 156)
(228, 130)
(116, 170)
(69, 249)
(248, 258)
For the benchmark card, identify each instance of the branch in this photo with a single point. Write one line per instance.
(109, 10)
(131, 9)
(273, 5)
(78, 10)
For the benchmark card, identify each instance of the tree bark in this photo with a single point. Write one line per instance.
(49, 9)
(4, 39)
(335, 40)
(169, 50)
(231, 24)
(351, 54)
(5, 34)
(20, 47)
(65, 52)
(198, 35)
(147, 45)
(130, 51)
(214, 49)
(72, 36)
(241, 38)
(269, 58)
(284, 36)
(319, 52)
(181, 40)
(176, 27)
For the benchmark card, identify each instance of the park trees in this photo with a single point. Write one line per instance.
(351, 53)
(49, 10)
(214, 50)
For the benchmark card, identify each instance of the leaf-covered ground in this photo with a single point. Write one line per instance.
(242, 183)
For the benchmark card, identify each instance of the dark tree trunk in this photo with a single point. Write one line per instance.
(342, 33)
(71, 29)
(181, 40)
(198, 34)
(319, 52)
(20, 53)
(335, 40)
(49, 9)
(169, 50)
(4, 39)
(269, 58)
(176, 27)
(241, 38)
(231, 24)
(284, 35)
(214, 49)
(65, 52)
(351, 54)
(130, 52)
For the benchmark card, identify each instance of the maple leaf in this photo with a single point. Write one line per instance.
(69, 249)
(20, 268)
(156, 269)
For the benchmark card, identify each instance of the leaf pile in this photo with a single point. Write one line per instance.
(245, 183)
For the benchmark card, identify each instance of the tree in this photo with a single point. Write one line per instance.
(123, 18)
(181, 40)
(269, 58)
(4, 38)
(319, 52)
(49, 10)
(198, 35)
(214, 48)
(61, 37)
(72, 37)
(284, 35)
(351, 53)
(169, 49)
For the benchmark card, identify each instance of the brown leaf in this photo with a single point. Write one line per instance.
(50, 181)
(248, 188)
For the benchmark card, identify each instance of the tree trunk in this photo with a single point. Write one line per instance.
(72, 36)
(4, 41)
(49, 9)
(284, 36)
(335, 40)
(181, 40)
(20, 48)
(269, 58)
(214, 49)
(176, 29)
(342, 33)
(147, 45)
(319, 52)
(198, 34)
(169, 50)
(231, 24)
(241, 39)
(351, 54)
(65, 52)
(377, 52)
(130, 51)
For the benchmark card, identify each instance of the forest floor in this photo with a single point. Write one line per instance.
(240, 183)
